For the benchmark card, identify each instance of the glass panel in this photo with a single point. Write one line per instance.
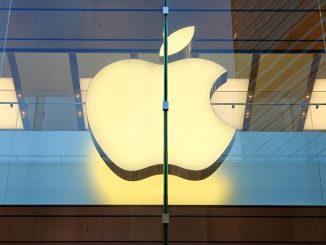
(273, 168)
(270, 106)
(55, 49)
(269, 98)
(82, 123)
(5, 85)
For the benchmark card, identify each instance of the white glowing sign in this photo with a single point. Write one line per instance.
(124, 108)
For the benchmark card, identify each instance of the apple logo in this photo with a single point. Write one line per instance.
(124, 110)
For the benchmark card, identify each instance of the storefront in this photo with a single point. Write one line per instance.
(94, 108)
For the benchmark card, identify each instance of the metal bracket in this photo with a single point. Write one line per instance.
(165, 10)
(165, 218)
(165, 105)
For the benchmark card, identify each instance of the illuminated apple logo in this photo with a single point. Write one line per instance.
(124, 108)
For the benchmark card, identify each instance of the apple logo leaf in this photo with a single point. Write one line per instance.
(178, 40)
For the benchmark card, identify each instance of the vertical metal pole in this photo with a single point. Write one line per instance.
(165, 216)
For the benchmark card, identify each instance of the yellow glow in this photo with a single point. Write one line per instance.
(10, 116)
(234, 91)
(110, 189)
(124, 106)
(316, 119)
(178, 40)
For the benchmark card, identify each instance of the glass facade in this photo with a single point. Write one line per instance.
(82, 87)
